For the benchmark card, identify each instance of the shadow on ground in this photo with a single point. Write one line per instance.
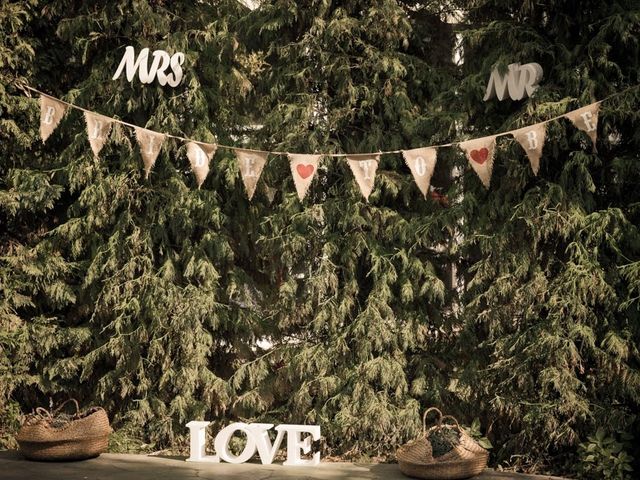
(154, 467)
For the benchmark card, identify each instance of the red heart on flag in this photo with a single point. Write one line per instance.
(305, 171)
(480, 156)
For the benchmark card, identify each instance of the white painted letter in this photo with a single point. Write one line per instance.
(158, 66)
(497, 86)
(421, 166)
(97, 130)
(365, 165)
(176, 61)
(531, 75)
(132, 65)
(266, 451)
(201, 157)
(197, 432)
(532, 138)
(586, 117)
(152, 141)
(222, 443)
(250, 172)
(295, 443)
(48, 118)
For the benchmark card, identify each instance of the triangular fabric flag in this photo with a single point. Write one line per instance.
(480, 155)
(421, 162)
(303, 169)
(532, 140)
(51, 112)
(150, 144)
(251, 164)
(98, 129)
(199, 155)
(586, 119)
(364, 168)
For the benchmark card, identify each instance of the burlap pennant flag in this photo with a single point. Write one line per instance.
(303, 169)
(150, 144)
(532, 140)
(480, 153)
(98, 129)
(251, 164)
(586, 119)
(199, 155)
(421, 162)
(51, 112)
(364, 168)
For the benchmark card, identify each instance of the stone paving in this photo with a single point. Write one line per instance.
(145, 467)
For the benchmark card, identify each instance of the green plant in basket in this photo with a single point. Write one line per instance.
(443, 440)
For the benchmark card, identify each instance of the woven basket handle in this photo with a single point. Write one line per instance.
(455, 421)
(424, 418)
(77, 414)
(43, 413)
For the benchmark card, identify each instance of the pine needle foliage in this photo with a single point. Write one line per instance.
(551, 314)
(166, 303)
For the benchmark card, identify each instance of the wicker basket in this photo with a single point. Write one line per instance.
(44, 436)
(465, 460)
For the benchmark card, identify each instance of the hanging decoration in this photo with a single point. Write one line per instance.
(251, 164)
(150, 144)
(98, 129)
(586, 119)
(480, 156)
(303, 169)
(421, 162)
(147, 73)
(51, 112)
(199, 155)
(520, 81)
(364, 168)
(532, 140)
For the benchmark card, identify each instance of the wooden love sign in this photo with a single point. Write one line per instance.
(257, 441)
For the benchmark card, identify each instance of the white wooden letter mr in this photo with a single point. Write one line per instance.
(520, 81)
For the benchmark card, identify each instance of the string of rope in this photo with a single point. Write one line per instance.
(276, 152)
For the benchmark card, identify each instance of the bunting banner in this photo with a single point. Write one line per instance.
(98, 129)
(586, 119)
(51, 112)
(199, 155)
(421, 162)
(364, 168)
(303, 169)
(150, 144)
(532, 140)
(251, 164)
(480, 156)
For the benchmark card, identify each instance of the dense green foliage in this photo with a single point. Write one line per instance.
(164, 303)
(551, 298)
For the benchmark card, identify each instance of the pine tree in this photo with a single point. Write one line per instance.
(162, 290)
(127, 282)
(551, 304)
(164, 302)
(356, 289)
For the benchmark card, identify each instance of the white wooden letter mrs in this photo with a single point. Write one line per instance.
(161, 62)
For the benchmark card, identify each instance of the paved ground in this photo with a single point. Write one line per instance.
(142, 467)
